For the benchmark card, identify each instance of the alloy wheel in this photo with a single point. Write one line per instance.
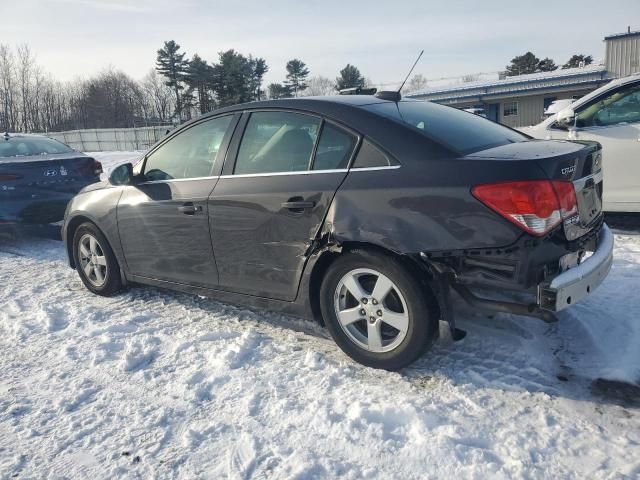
(371, 310)
(92, 260)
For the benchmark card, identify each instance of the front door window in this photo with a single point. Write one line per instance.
(619, 106)
(191, 154)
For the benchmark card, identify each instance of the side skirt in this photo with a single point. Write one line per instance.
(297, 308)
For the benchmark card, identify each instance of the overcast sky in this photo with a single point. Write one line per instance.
(80, 37)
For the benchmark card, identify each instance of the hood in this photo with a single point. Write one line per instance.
(96, 186)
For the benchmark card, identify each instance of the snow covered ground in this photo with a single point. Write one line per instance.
(155, 384)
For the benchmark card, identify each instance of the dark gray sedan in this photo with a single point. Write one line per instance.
(358, 211)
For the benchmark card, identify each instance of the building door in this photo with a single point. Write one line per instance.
(491, 111)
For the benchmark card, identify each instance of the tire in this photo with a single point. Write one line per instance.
(371, 340)
(102, 275)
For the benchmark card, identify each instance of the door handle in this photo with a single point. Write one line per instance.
(298, 205)
(190, 209)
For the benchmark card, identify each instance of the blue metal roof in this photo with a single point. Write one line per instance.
(579, 77)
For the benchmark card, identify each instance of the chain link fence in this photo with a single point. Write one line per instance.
(112, 139)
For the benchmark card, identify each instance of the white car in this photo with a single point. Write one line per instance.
(609, 115)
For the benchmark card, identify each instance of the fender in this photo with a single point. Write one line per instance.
(102, 203)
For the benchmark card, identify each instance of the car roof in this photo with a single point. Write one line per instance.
(349, 111)
(22, 135)
(322, 103)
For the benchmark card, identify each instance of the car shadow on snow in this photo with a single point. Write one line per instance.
(501, 351)
(24, 232)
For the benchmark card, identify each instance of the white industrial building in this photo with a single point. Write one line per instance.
(521, 100)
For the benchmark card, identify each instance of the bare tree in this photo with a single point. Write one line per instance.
(416, 83)
(472, 77)
(25, 67)
(8, 91)
(159, 95)
(319, 86)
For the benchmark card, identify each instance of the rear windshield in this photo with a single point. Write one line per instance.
(457, 130)
(31, 146)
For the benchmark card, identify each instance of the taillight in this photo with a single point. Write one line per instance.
(9, 176)
(92, 168)
(536, 206)
(567, 198)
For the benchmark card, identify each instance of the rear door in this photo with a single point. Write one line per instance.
(163, 220)
(272, 199)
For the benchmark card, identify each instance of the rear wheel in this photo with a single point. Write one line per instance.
(95, 261)
(376, 310)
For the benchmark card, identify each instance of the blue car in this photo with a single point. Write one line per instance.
(38, 177)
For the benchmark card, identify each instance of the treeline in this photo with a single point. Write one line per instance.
(529, 63)
(177, 89)
(199, 86)
(33, 101)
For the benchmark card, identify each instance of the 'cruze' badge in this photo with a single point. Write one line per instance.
(568, 170)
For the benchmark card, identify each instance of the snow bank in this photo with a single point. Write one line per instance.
(110, 160)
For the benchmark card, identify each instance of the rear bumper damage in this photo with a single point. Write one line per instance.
(581, 280)
(556, 291)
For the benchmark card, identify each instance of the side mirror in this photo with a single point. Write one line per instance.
(566, 117)
(122, 175)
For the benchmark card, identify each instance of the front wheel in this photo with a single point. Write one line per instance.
(95, 261)
(376, 310)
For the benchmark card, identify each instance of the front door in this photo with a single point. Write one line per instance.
(268, 206)
(163, 220)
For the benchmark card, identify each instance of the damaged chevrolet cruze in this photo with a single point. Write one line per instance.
(362, 212)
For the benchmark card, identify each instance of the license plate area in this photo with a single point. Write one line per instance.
(589, 204)
(589, 199)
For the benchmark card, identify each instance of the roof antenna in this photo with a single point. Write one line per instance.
(414, 66)
(395, 96)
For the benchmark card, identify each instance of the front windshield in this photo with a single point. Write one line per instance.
(31, 146)
(457, 130)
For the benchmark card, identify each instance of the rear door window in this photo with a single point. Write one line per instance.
(31, 146)
(277, 142)
(334, 148)
(370, 156)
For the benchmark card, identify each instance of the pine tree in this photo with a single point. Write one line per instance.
(546, 65)
(258, 69)
(576, 60)
(523, 64)
(238, 79)
(349, 78)
(171, 64)
(297, 73)
(278, 90)
(199, 77)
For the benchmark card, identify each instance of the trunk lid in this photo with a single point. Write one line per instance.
(584, 169)
(49, 172)
(576, 162)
